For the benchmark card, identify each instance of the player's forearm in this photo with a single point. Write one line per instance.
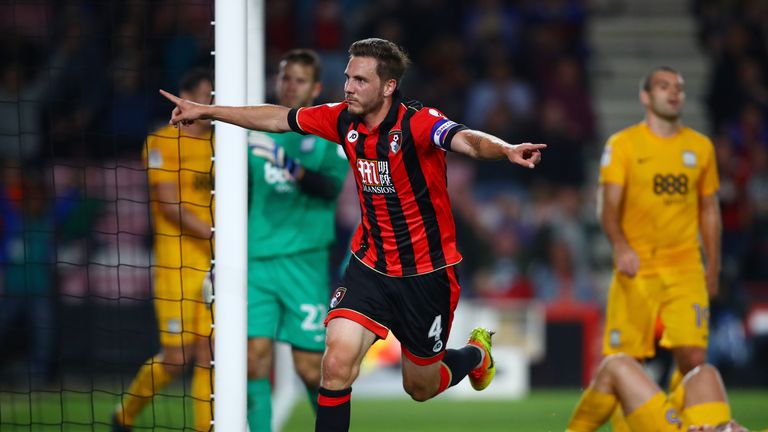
(186, 220)
(711, 228)
(609, 198)
(319, 185)
(267, 118)
(479, 145)
(610, 220)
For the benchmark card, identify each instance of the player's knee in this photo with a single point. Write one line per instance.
(610, 367)
(614, 362)
(703, 373)
(259, 360)
(337, 371)
(309, 374)
(688, 359)
(418, 391)
(259, 367)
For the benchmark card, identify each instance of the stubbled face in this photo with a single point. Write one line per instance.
(666, 96)
(296, 85)
(363, 89)
(200, 94)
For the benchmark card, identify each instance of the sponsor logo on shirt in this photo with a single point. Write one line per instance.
(352, 136)
(279, 178)
(374, 176)
(670, 184)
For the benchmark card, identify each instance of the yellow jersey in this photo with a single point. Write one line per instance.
(185, 161)
(663, 179)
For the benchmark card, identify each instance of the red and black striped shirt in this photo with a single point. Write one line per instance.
(406, 226)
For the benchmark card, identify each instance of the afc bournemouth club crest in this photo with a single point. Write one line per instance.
(395, 140)
(337, 296)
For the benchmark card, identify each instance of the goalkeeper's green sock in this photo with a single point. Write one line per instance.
(312, 393)
(259, 405)
(150, 379)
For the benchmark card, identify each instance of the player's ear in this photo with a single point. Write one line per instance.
(645, 97)
(316, 89)
(389, 87)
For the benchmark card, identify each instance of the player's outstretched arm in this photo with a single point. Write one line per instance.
(480, 145)
(267, 118)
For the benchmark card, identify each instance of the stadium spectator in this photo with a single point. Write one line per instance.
(28, 242)
(502, 277)
(558, 279)
(501, 91)
(569, 89)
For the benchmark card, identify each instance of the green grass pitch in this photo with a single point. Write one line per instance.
(542, 411)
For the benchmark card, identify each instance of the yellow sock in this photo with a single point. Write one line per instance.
(148, 381)
(593, 410)
(710, 413)
(647, 417)
(202, 387)
(675, 380)
(619, 421)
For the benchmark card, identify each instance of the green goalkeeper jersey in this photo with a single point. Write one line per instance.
(283, 219)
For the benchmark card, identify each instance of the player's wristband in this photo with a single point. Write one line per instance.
(292, 166)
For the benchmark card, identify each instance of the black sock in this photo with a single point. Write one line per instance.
(461, 362)
(333, 408)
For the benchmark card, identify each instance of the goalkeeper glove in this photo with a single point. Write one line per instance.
(268, 150)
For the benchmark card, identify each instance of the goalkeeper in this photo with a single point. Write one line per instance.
(294, 181)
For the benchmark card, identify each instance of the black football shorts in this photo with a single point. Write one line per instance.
(417, 309)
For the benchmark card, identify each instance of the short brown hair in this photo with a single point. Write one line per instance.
(645, 83)
(307, 57)
(193, 78)
(392, 59)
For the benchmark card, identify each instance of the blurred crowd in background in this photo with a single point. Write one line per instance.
(78, 95)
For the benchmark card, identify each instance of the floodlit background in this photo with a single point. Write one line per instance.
(78, 95)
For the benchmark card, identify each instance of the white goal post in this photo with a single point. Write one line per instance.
(230, 303)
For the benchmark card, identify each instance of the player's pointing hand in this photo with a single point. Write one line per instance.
(525, 154)
(186, 111)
